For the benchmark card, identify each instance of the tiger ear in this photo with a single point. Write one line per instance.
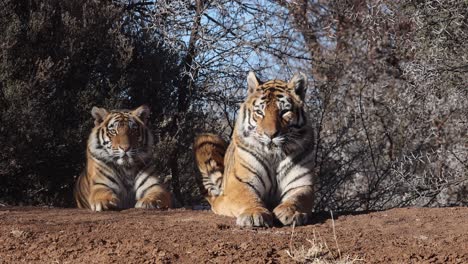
(252, 82)
(142, 113)
(99, 115)
(298, 84)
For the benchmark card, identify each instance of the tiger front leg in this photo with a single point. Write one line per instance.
(150, 193)
(295, 206)
(240, 201)
(102, 198)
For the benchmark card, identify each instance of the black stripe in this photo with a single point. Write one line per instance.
(149, 170)
(101, 135)
(149, 187)
(98, 141)
(244, 164)
(249, 184)
(142, 182)
(97, 158)
(274, 89)
(209, 186)
(107, 176)
(296, 126)
(298, 177)
(244, 112)
(219, 181)
(105, 185)
(295, 161)
(260, 160)
(82, 202)
(220, 152)
(86, 178)
(256, 156)
(207, 180)
(288, 191)
(211, 143)
(78, 191)
(273, 188)
(254, 118)
(248, 117)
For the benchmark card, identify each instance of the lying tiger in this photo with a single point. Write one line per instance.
(119, 171)
(267, 170)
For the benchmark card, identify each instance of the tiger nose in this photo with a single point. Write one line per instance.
(272, 134)
(125, 148)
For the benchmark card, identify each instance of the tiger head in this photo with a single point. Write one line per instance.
(272, 116)
(121, 136)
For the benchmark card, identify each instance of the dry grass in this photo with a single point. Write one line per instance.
(317, 250)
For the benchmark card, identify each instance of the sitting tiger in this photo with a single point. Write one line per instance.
(119, 172)
(267, 171)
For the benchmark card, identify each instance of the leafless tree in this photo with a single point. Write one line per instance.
(388, 89)
(388, 94)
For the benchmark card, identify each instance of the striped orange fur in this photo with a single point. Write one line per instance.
(119, 169)
(268, 168)
(210, 151)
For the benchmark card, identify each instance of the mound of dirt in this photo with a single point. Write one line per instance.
(55, 235)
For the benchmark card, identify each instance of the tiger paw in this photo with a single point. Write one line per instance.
(105, 204)
(146, 203)
(255, 217)
(287, 214)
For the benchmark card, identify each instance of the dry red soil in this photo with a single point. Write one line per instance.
(54, 235)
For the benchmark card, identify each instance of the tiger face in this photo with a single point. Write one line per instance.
(273, 114)
(121, 136)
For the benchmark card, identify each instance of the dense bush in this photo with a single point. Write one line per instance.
(60, 58)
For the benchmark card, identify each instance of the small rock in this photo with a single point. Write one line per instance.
(17, 233)
(244, 246)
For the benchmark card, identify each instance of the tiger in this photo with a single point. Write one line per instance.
(119, 172)
(266, 173)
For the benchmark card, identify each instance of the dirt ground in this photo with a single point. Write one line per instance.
(56, 235)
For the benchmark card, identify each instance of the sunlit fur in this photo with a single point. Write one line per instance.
(268, 168)
(119, 169)
(210, 151)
